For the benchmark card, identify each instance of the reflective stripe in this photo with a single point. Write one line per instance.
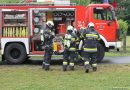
(49, 30)
(67, 42)
(91, 35)
(64, 63)
(79, 57)
(77, 42)
(90, 49)
(71, 64)
(47, 64)
(72, 39)
(81, 36)
(86, 63)
(99, 39)
(83, 58)
(67, 39)
(72, 49)
(94, 65)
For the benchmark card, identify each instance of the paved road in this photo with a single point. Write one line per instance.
(116, 60)
(106, 60)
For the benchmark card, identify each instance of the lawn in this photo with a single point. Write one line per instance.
(33, 77)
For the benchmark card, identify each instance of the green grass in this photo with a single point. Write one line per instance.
(26, 77)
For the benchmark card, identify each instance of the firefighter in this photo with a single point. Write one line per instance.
(78, 54)
(47, 36)
(90, 43)
(81, 37)
(69, 49)
(81, 33)
(78, 37)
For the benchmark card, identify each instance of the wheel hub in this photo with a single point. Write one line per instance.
(15, 53)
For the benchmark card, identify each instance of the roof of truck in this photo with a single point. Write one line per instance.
(99, 5)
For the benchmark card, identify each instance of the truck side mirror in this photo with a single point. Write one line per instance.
(109, 23)
(114, 19)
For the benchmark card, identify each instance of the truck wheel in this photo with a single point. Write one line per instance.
(2, 59)
(101, 53)
(15, 53)
(118, 49)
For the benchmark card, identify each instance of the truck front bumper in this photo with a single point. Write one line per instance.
(116, 45)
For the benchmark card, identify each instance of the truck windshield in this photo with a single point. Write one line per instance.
(104, 14)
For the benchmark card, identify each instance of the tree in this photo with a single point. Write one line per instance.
(82, 2)
(124, 27)
(123, 10)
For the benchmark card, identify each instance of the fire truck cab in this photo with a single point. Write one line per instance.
(20, 26)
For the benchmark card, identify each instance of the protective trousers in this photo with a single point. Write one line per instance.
(47, 57)
(69, 54)
(90, 58)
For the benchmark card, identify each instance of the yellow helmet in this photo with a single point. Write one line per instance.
(75, 30)
(81, 28)
(70, 27)
(90, 25)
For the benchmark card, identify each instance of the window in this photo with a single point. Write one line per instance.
(103, 14)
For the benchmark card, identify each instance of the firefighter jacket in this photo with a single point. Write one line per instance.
(91, 38)
(78, 38)
(47, 36)
(81, 34)
(70, 42)
(81, 38)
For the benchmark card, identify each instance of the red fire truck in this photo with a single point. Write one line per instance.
(20, 26)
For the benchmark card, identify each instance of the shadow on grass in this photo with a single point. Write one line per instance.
(53, 62)
(32, 62)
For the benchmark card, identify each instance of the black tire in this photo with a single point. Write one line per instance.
(118, 49)
(101, 53)
(2, 58)
(15, 53)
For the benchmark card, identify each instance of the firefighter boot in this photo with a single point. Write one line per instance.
(94, 66)
(47, 67)
(81, 62)
(71, 65)
(86, 66)
(43, 65)
(65, 66)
